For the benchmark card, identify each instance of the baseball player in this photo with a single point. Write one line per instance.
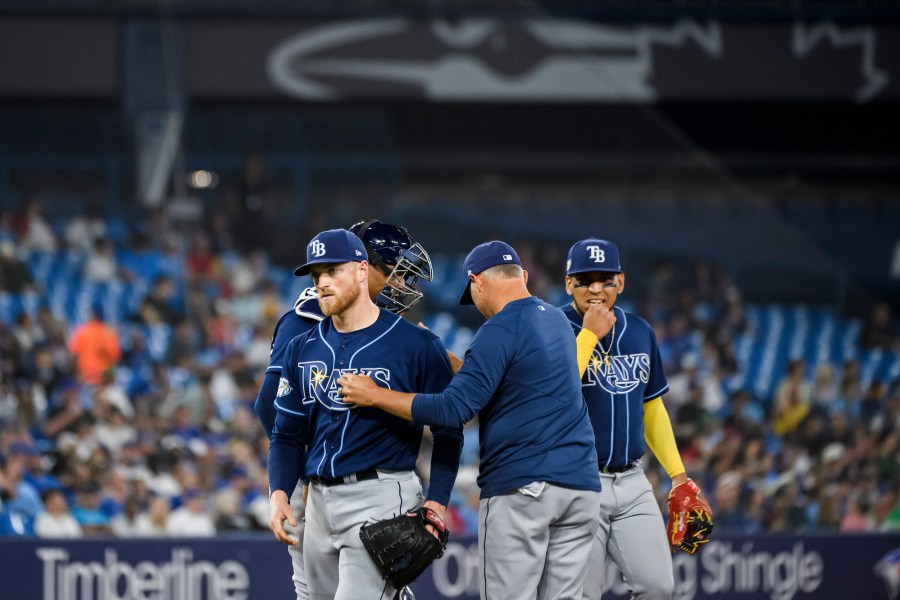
(399, 263)
(623, 383)
(538, 473)
(359, 461)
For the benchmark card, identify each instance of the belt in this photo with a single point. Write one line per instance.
(366, 475)
(621, 469)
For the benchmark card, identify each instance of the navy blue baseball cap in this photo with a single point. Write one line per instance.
(332, 246)
(593, 254)
(485, 256)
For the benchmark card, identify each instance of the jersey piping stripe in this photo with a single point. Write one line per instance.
(624, 327)
(319, 466)
(662, 391)
(274, 369)
(287, 410)
(375, 340)
(627, 427)
(333, 360)
(327, 345)
(343, 433)
(627, 412)
(308, 315)
(612, 428)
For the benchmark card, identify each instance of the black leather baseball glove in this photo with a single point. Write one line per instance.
(402, 547)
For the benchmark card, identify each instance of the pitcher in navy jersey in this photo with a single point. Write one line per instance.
(623, 384)
(538, 470)
(400, 262)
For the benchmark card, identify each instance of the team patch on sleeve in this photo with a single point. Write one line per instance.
(284, 388)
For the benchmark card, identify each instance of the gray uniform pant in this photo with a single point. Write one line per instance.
(298, 508)
(535, 547)
(633, 535)
(337, 565)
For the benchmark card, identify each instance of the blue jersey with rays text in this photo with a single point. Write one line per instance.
(340, 439)
(615, 391)
(520, 376)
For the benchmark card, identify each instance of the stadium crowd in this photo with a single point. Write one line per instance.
(135, 419)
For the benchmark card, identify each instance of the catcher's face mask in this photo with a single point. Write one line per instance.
(399, 293)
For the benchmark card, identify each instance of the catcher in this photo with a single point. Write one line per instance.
(623, 384)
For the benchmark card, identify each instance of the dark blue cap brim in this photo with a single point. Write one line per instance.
(466, 297)
(577, 271)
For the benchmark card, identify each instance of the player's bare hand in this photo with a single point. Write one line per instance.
(599, 319)
(357, 389)
(440, 509)
(279, 512)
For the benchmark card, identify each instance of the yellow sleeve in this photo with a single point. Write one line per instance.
(585, 342)
(660, 437)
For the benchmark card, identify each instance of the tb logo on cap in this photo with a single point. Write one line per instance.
(317, 248)
(596, 254)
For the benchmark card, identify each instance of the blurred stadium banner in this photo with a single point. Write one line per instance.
(776, 567)
(537, 59)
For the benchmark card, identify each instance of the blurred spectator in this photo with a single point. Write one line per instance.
(84, 230)
(95, 347)
(856, 518)
(880, 329)
(200, 263)
(15, 276)
(785, 513)
(232, 503)
(47, 377)
(162, 297)
(87, 511)
(141, 261)
(184, 345)
(872, 406)
(792, 399)
(132, 521)
(32, 227)
(100, 264)
(692, 419)
(726, 506)
(113, 430)
(53, 330)
(56, 521)
(26, 333)
(825, 390)
(19, 499)
(157, 518)
(191, 518)
(64, 414)
(851, 386)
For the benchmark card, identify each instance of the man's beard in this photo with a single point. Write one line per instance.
(337, 304)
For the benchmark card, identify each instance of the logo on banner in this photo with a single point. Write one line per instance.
(563, 60)
(536, 60)
(888, 568)
(181, 578)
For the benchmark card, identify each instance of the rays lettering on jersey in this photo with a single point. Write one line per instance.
(321, 385)
(621, 374)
